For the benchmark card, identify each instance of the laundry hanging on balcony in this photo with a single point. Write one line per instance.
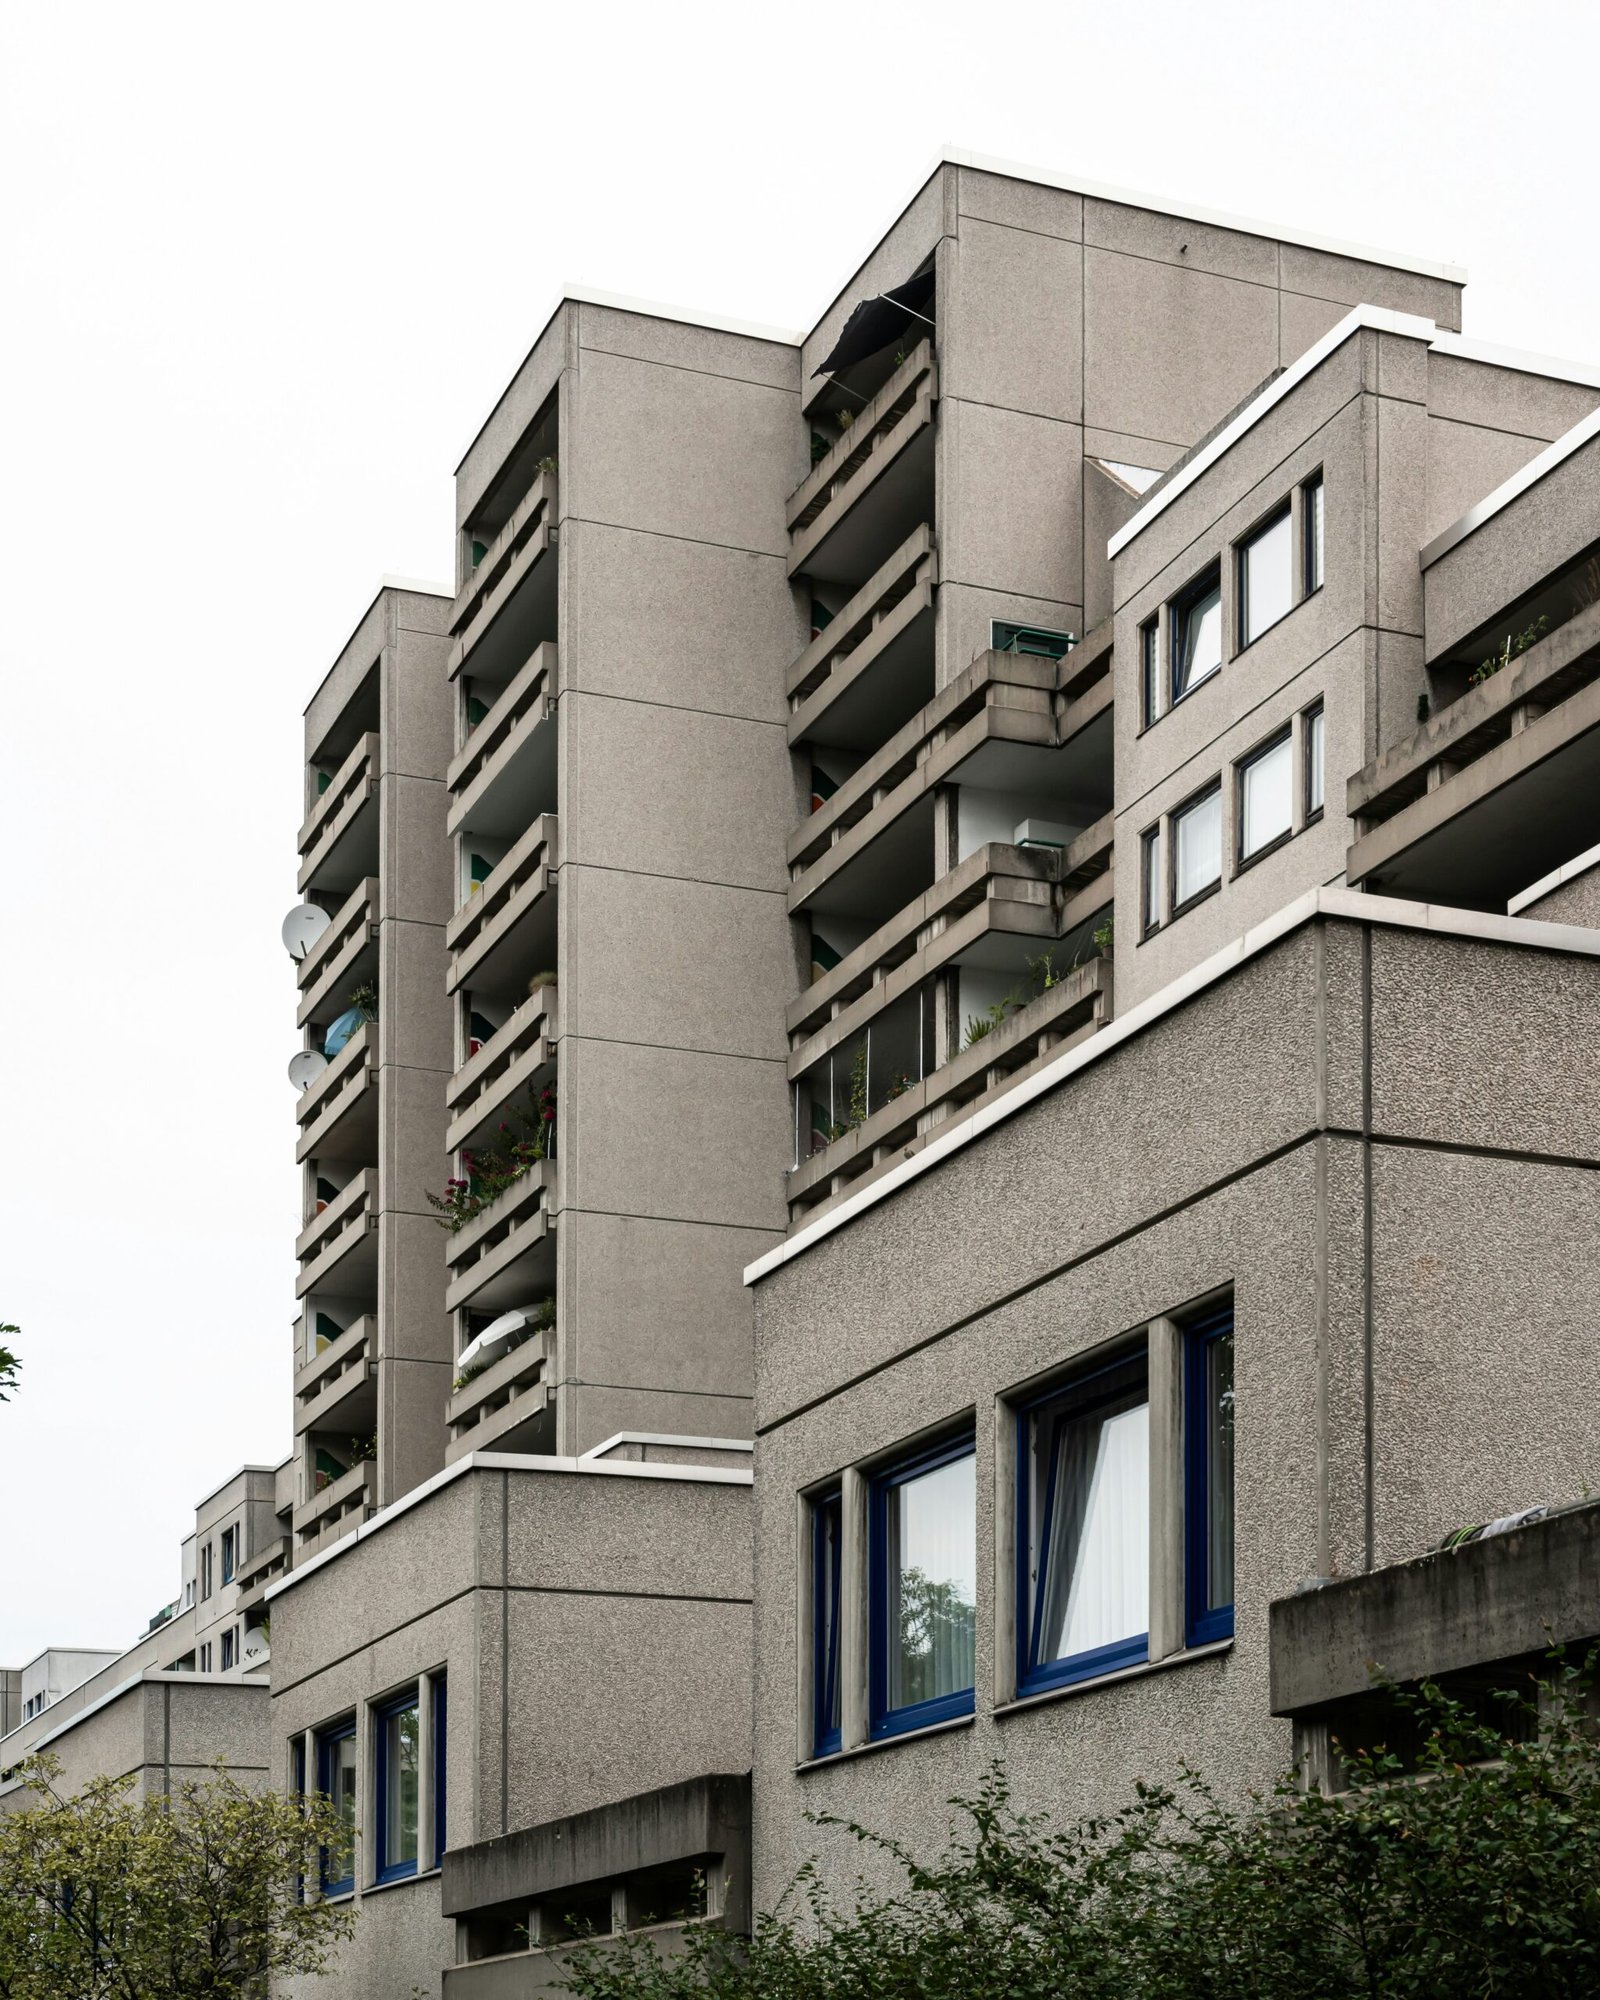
(874, 322)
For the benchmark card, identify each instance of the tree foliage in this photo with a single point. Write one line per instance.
(190, 1896)
(1470, 1870)
(10, 1364)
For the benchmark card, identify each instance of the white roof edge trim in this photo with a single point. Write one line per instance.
(1520, 360)
(1352, 903)
(1569, 871)
(1379, 318)
(667, 1437)
(505, 1461)
(416, 585)
(1512, 488)
(588, 295)
(1243, 225)
(146, 1674)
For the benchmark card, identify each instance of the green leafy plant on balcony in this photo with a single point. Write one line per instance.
(489, 1174)
(363, 1448)
(540, 1320)
(1514, 649)
(1105, 937)
(994, 1016)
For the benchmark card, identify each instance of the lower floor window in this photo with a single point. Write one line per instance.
(399, 1745)
(336, 1780)
(923, 1587)
(826, 1524)
(1208, 1478)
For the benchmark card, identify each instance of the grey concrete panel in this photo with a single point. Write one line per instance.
(1107, 505)
(677, 453)
(1018, 204)
(1011, 504)
(357, 657)
(519, 403)
(1347, 279)
(706, 350)
(909, 240)
(416, 879)
(1574, 902)
(1505, 399)
(967, 614)
(1465, 462)
(1302, 322)
(1011, 325)
(412, 1158)
(1172, 239)
(398, 1947)
(418, 732)
(413, 1013)
(1168, 350)
(596, 1413)
(649, 1112)
(1153, 454)
(651, 956)
(622, 1536)
(411, 1287)
(1399, 681)
(682, 624)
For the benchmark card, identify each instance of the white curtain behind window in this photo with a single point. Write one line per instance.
(1097, 1561)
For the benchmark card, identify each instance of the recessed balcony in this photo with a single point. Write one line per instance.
(345, 956)
(506, 1254)
(338, 1248)
(339, 840)
(338, 1112)
(870, 491)
(508, 604)
(510, 756)
(871, 667)
(336, 1389)
(506, 932)
(337, 1508)
(261, 1572)
(510, 1406)
(514, 1063)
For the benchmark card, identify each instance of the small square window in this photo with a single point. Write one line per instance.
(1150, 879)
(1312, 531)
(1314, 760)
(826, 1526)
(336, 1780)
(1149, 671)
(1266, 797)
(1196, 634)
(399, 1747)
(1197, 847)
(923, 1582)
(1208, 1479)
(1083, 1541)
(1266, 577)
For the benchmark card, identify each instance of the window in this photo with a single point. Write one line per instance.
(229, 1647)
(1150, 879)
(205, 1571)
(826, 1526)
(1208, 1479)
(297, 1789)
(1311, 495)
(923, 1581)
(1197, 847)
(1314, 736)
(1149, 671)
(336, 1780)
(1197, 634)
(230, 1552)
(399, 1744)
(1266, 797)
(1266, 577)
(441, 1706)
(1083, 1533)
(205, 1658)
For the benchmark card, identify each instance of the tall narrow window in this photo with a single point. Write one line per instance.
(230, 1551)
(923, 1579)
(1266, 797)
(229, 1648)
(441, 1716)
(1312, 517)
(399, 1746)
(1150, 879)
(1149, 671)
(336, 1780)
(1208, 1478)
(1083, 1541)
(1197, 847)
(826, 1522)
(1314, 754)
(1266, 577)
(297, 1789)
(1197, 633)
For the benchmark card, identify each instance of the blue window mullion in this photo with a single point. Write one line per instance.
(1204, 1622)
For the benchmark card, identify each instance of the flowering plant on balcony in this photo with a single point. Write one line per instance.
(489, 1174)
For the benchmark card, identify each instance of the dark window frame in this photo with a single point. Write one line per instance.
(1150, 672)
(1175, 908)
(1310, 544)
(1276, 741)
(1204, 1623)
(886, 1722)
(326, 1742)
(1209, 580)
(383, 1714)
(1150, 879)
(827, 1511)
(1244, 637)
(1316, 713)
(441, 1718)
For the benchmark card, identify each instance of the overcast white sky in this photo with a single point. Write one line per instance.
(266, 271)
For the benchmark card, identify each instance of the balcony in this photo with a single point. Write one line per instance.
(341, 1505)
(338, 1113)
(1076, 1007)
(261, 1572)
(510, 1406)
(511, 755)
(345, 956)
(506, 1254)
(508, 603)
(335, 1390)
(1495, 790)
(338, 1249)
(339, 840)
(506, 932)
(887, 454)
(871, 668)
(516, 1062)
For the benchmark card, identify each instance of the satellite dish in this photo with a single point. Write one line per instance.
(302, 927)
(305, 1068)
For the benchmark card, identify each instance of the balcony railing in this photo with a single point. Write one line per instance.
(509, 1393)
(325, 1385)
(506, 565)
(342, 1504)
(1074, 1008)
(488, 1261)
(334, 815)
(261, 1572)
(514, 1060)
(880, 432)
(525, 702)
(340, 1230)
(870, 631)
(517, 882)
(328, 969)
(339, 1093)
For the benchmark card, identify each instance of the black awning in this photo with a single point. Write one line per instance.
(876, 321)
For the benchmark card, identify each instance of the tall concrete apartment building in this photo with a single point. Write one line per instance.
(981, 923)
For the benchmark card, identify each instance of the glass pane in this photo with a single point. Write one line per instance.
(339, 1783)
(1268, 577)
(1152, 878)
(1147, 671)
(1314, 535)
(826, 1612)
(933, 1573)
(1266, 798)
(1219, 1472)
(400, 1749)
(1092, 1520)
(1314, 761)
(1197, 831)
(1199, 640)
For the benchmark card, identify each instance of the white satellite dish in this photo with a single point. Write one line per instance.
(302, 927)
(305, 1068)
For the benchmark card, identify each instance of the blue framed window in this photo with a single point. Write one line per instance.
(922, 1566)
(297, 1789)
(336, 1780)
(1208, 1478)
(399, 1787)
(826, 1527)
(1083, 1527)
(441, 1706)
